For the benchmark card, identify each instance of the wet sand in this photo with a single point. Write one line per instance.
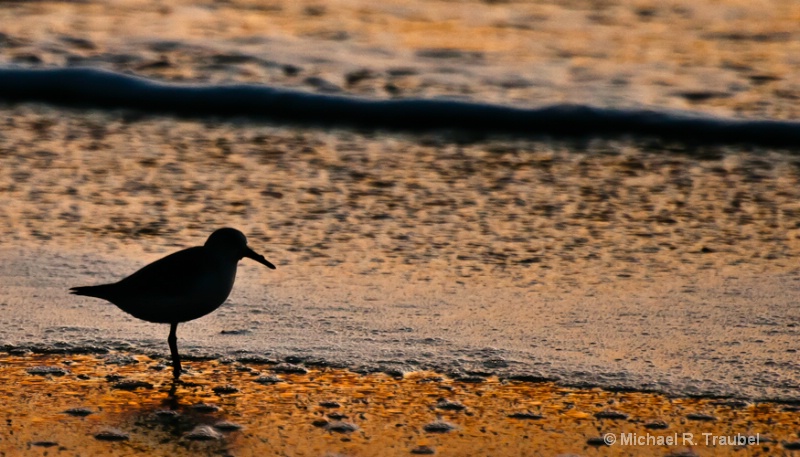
(613, 265)
(121, 404)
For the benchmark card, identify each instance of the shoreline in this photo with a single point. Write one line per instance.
(395, 370)
(611, 337)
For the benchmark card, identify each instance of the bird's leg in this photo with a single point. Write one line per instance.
(173, 349)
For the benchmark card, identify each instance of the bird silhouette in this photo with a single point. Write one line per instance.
(182, 286)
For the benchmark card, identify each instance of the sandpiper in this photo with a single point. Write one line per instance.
(182, 286)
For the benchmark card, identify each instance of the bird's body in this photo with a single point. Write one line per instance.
(178, 288)
(182, 286)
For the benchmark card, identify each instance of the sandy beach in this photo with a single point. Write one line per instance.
(598, 267)
(115, 405)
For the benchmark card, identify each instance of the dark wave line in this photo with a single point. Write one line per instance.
(98, 89)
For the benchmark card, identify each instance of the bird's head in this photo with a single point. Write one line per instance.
(232, 242)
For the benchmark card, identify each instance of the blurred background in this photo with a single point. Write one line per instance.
(329, 197)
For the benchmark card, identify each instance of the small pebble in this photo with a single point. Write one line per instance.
(340, 427)
(203, 433)
(288, 368)
(166, 414)
(119, 359)
(132, 384)
(394, 373)
(227, 389)
(205, 408)
(596, 441)
(450, 405)
(330, 404)
(46, 370)
(656, 425)
(526, 415)
(227, 426)
(701, 417)
(423, 450)
(471, 379)
(44, 443)
(495, 363)
(609, 414)
(79, 412)
(111, 435)
(238, 331)
(736, 404)
(438, 426)
(268, 380)
(254, 359)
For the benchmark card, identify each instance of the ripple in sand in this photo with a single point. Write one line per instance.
(423, 450)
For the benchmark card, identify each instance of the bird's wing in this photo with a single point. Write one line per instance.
(171, 276)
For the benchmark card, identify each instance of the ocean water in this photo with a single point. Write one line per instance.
(632, 261)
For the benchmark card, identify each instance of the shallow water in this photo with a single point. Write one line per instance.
(733, 57)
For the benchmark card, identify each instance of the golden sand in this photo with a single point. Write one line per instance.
(122, 404)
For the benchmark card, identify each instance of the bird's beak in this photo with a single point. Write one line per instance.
(250, 254)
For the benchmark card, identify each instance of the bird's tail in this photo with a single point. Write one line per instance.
(102, 291)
